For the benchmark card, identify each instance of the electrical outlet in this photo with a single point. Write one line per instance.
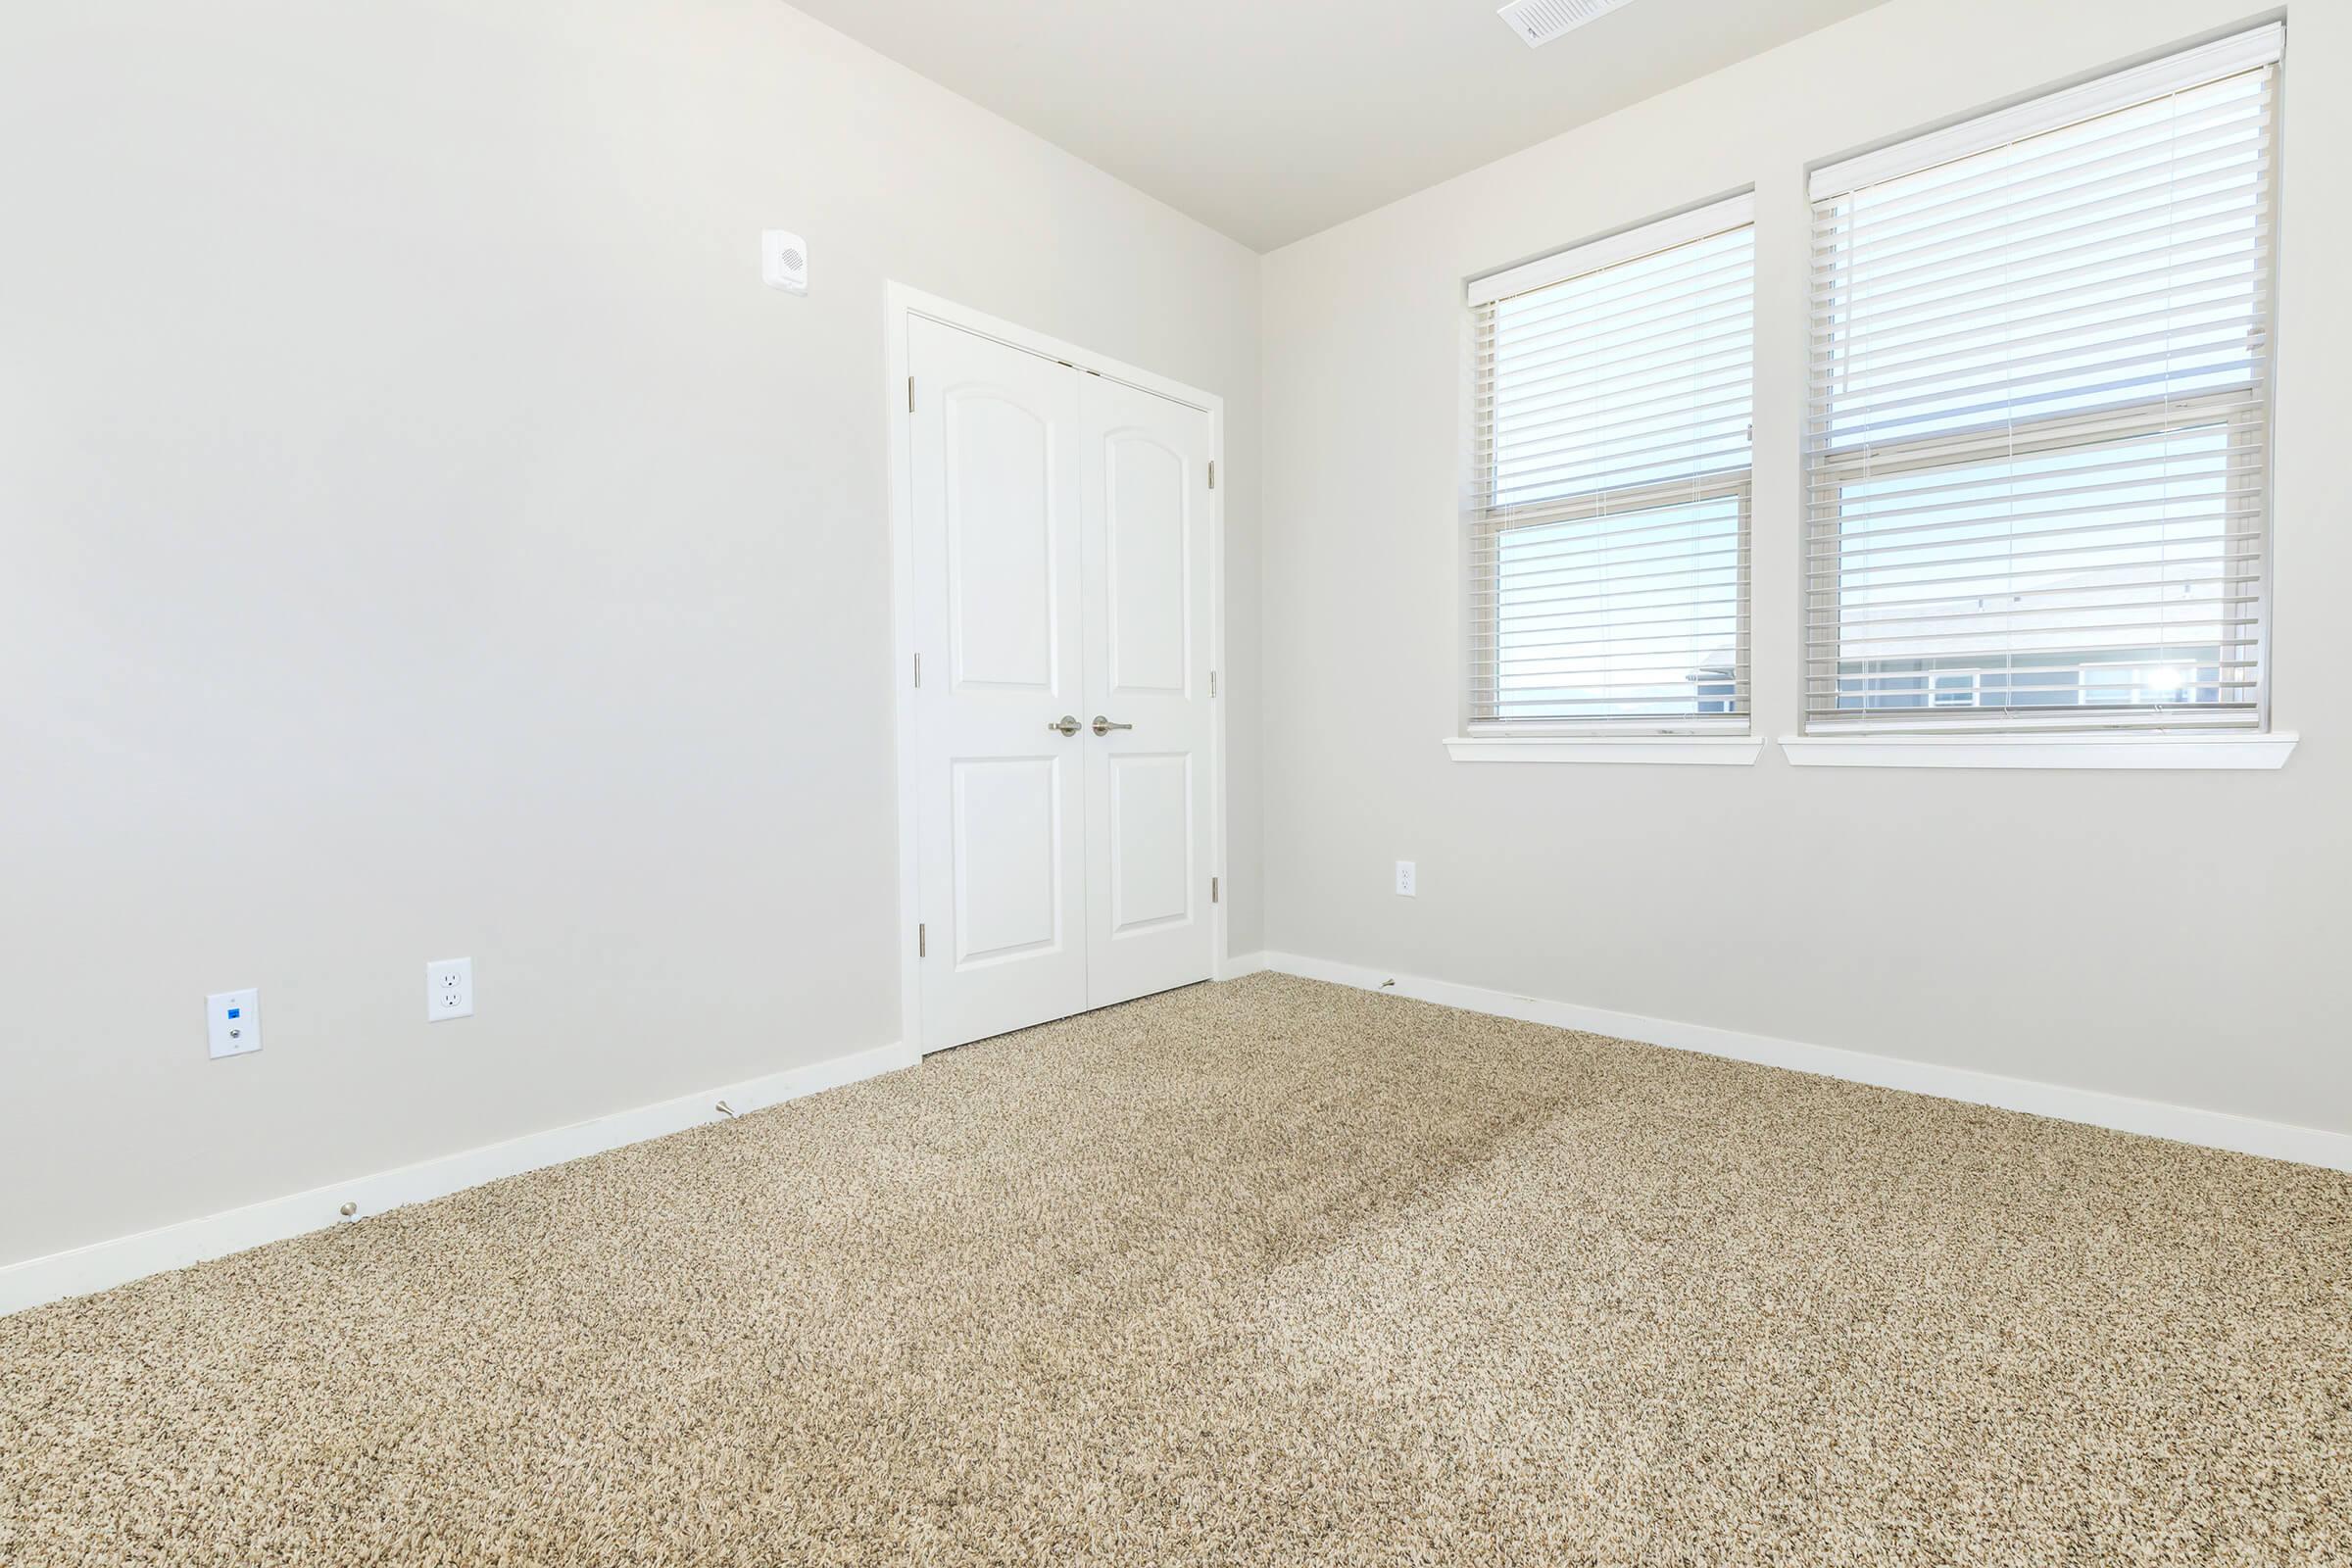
(1405, 879)
(232, 1022)
(448, 988)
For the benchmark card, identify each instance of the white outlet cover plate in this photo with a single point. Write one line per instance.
(232, 1022)
(448, 988)
(1405, 879)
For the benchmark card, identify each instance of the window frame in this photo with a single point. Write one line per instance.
(1820, 733)
(1486, 601)
(1629, 737)
(2143, 420)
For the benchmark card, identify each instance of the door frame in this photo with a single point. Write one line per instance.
(900, 306)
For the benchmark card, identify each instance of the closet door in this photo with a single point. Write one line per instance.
(1146, 702)
(1001, 753)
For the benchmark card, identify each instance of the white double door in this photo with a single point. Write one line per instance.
(1062, 712)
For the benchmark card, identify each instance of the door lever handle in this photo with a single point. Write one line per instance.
(1067, 725)
(1104, 726)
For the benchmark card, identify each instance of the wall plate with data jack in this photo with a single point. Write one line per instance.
(448, 988)
(232, 1022)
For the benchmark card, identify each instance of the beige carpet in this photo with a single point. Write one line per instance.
(1264, 1273)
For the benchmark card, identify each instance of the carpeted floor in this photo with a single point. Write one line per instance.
(1264, 1273)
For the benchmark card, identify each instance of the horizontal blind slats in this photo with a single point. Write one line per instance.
(1550, 396)
(1571, 576)
(2175, 173)
(2149, 125)
(2022, 608)
(1937, 516)
(2234, 225)
(2065, 560)
(1970, 445)
(2083, 310)
(2195, 574)
(1594, 506)
(1599, 365)
(1707, 393)
(2234, 56)
(2220, 347)
(2037, 427)
(1560, 582)
(1625, 468)
(1536, 326)
(1608, 538)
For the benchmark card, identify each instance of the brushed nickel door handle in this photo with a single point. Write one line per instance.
(1067, 725)
(1104, 726)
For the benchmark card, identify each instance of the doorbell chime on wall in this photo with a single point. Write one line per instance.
(784, 260)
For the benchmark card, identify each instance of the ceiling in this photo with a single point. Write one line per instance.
(1270, 120)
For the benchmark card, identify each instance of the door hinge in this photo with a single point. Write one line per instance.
(918, 669)
(1212, 683)
(922, 942)
(1212, 474)
(1212, 890)
(910, 394)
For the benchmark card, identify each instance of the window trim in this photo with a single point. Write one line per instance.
(1630, 738)
(2256, 48)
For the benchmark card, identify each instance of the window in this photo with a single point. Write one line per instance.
(2039, 444)
(1610, 513)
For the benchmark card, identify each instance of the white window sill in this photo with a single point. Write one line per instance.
(2173, 750)
(1720, 750)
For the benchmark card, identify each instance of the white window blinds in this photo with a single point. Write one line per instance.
(1610, 513)
(2039, 438)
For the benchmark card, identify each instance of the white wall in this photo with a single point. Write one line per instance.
(2178, 937)
(425, 536)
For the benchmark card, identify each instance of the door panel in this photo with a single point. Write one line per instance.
(1146, 522)
(995, 446)
(1002, 517)
(1008, 857)
(1147, 540)
(1150, 877)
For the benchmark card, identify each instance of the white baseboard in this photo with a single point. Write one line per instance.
(2213, 1129)
(103, 1264)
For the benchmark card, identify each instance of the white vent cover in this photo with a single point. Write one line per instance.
(1538, 22)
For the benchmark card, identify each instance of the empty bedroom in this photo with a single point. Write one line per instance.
(887, 782)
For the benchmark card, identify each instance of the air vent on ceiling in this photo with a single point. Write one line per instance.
(1538, 22)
